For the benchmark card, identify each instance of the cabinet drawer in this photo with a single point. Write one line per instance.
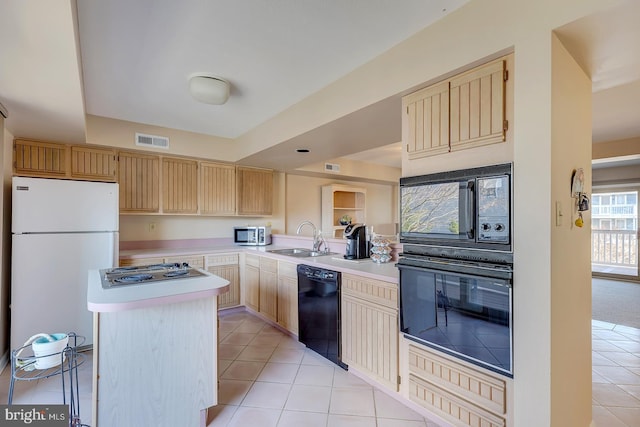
(268, 264)
(383, 293)
(222, 259)
(129, 262)
(193, 260)
(287, 269)
(451, 407)
(482, 390)
(252, 260)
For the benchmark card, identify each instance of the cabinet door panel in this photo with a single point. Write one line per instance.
(231, 273)
(179, 186)
(478, 106)
(218, 194)
(93, 163)
(288, 296)
(427, 121)
(269, 288)
(138, 176)
(288, 303)
(370, 339)
(252, 287)
(370, 327)
(35, 158)
(255, 191)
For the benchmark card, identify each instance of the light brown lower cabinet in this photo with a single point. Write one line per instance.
(370, 328)
(226, 266)
(456, 392)
(252, 282)
(288, 296)
(269, 288)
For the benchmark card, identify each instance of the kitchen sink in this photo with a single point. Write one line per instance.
(299, 252)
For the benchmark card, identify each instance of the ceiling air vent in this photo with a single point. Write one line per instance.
(332, 167)
(152, 141)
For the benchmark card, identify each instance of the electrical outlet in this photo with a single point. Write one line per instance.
(152, 227)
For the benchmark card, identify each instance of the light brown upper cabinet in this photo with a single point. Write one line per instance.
(36, 158)
(217, 189)
(255, 191)
(139, 179)
(179, 186)
(477, 106)
(465, 111)
(427, 117)
(93, 163)
(56, 160)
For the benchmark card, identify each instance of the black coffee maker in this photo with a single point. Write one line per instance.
(357, 245)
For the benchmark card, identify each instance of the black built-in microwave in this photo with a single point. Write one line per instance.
(469, 208)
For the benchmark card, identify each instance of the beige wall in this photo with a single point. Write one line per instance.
(570, 245)
(121, 134)
(304, 202)
(619, 148)
(355, 170)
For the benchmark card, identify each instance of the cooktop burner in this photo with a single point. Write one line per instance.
(133, 278)
(119, 276)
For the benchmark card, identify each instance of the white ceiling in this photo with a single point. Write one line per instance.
(136, 57)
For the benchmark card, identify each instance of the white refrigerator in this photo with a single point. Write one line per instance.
(60, 230)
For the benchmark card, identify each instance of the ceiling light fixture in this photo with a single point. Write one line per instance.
(302, 150)
(208, 88)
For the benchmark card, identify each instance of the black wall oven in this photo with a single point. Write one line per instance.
(456, 270)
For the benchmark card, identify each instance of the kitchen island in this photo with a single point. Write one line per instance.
(155, 351)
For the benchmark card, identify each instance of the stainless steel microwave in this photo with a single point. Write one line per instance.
(252, 235)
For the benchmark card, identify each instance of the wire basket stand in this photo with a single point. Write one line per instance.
(24, 368)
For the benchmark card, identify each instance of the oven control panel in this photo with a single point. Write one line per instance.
(493, 209)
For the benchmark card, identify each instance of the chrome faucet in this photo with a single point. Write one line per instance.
(318, 241)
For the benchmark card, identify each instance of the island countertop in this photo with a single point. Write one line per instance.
(151, 294)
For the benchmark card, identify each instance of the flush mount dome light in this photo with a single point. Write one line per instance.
(208, 88)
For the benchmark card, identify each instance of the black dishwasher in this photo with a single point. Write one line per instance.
(319, 311)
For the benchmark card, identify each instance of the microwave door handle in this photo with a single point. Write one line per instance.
(469, 209)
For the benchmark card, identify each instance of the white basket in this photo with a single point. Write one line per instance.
(48, 349)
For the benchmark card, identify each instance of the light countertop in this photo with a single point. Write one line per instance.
(151, 294)
(365, 267)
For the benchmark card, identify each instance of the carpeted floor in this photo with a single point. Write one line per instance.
(616, 302)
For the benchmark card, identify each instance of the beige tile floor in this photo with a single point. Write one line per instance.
(269, 379)
(616, 375)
